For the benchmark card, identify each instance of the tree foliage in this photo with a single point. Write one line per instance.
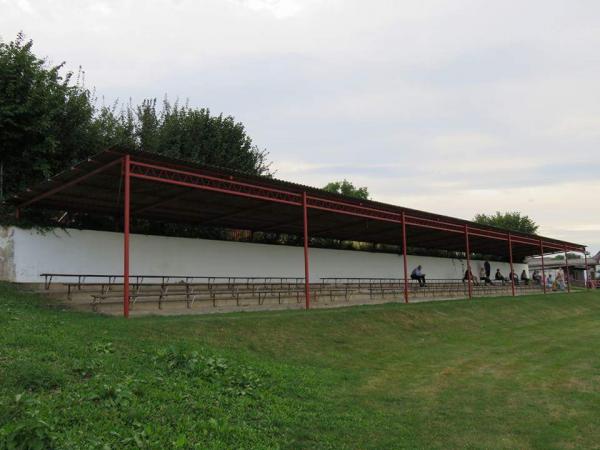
(49, 121)
(512, 221)
(345, 187)
(570, 255)
(196, 135)
(45, 117)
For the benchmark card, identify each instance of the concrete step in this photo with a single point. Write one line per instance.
(245, 298)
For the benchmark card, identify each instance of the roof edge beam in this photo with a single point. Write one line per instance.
(70, 183)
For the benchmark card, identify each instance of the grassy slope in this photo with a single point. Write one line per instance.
(490, 373)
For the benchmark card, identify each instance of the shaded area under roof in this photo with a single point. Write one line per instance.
(169, 190)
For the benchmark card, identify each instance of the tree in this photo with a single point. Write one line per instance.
(345, 187)
(49, 121)
(512, 221)
(569, 255)
(197, 136)
(45, 118)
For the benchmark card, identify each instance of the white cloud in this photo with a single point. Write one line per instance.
(25, 6)
(280, 9)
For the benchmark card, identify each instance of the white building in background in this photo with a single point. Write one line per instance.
(576, 266)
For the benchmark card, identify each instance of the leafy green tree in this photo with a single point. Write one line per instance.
(512, 221)
(345, 187)
(49, 121)
(569, 255)
(196, 135)
(45, 117)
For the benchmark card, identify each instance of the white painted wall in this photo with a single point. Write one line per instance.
(100, 252)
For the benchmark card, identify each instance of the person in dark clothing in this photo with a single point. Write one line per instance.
(484, 277)
(418, 275)
(524, 277)
(499, 276)
(488, 269)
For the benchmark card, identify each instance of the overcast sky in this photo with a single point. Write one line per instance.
(455, 107)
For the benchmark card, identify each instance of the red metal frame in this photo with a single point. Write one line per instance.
(404, 258)
(543, 269)
(232, 185)
(184, 178)
(126, 220)
(306, 263)
(468, 252)
(207, 182)
(70, 183)
(512, 270)
(567, 279)
(229, 185)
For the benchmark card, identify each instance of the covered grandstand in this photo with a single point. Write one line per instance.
(149, 186)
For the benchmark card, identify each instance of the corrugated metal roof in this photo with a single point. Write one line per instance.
(101, 193)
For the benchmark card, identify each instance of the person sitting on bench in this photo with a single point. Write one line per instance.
(499, 276)
(513, 276)
(469, 276)
(524, 277)
(484, 276)
(418, 275)
(536, 277)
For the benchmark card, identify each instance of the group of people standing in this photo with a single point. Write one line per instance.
(556, 283)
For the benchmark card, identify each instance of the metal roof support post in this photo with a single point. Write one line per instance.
(543, 269)
(586, 277)
(306, 262)
(469, 274)
(126, 210)
(404, 258)
(512, 271)
(567, 279)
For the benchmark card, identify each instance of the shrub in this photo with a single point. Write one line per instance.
(25, 435)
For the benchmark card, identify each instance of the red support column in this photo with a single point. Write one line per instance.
(469, 274)
(404, 258)
(586, 277)
(126, 210)
(567, 280)
(512, 270)
(306, 266)
(543, 269)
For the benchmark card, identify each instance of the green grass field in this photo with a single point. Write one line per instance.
(487, 373)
